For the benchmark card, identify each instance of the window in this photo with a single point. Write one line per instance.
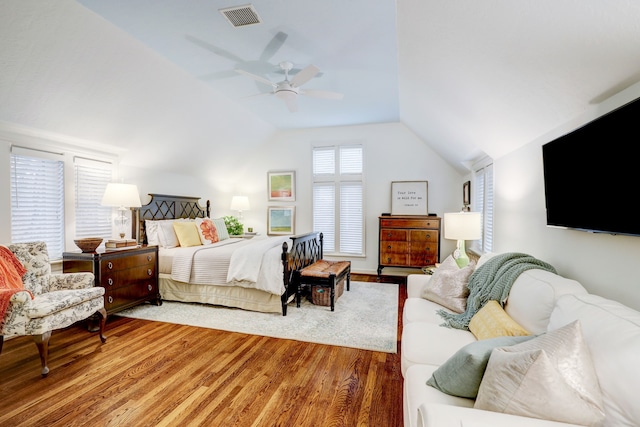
(38, 198)
(338, 198)
(483, 202)
(91, 179)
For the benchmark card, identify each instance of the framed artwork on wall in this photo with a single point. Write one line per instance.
(281, 186)
(281, 220)
(409, 198)
(466, 194)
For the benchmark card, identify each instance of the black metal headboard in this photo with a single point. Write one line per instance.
(163, 206)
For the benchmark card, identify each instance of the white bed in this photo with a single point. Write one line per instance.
(251, 274)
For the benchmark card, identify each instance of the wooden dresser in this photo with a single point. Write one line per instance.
(408, 241)
(129, 276)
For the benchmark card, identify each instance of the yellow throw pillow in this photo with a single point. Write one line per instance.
(492, 321)
(187, 233)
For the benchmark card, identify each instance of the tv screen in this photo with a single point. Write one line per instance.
(591, 174)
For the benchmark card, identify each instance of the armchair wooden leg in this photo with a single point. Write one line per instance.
(42, 341)
(103, 320)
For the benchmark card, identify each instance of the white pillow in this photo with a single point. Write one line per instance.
(448, 285)
(151, 229)
(549, 377)
(221, 226)
(167, 235)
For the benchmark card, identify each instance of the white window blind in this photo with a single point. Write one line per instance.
(37, 199)
(91, 179)
(483, 202)
(338, 198)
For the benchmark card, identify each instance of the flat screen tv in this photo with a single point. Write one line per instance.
(591, 174)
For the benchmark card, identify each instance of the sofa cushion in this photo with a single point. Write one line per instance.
(549, 377)
(448, 285)
(416, 392)
(612, 333)
(492, 321)
(462, 373)
(430, 344)
(421, 310)
(533, 296)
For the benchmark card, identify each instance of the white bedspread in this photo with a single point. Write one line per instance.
(249, 263)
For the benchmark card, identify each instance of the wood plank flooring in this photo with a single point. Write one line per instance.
(158, 374)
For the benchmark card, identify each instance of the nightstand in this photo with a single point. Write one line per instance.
(129, 276)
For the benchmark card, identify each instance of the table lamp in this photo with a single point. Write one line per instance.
(462, 226)
(122, 196)
(240, 203)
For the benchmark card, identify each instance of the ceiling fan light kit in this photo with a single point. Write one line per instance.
(288, 90)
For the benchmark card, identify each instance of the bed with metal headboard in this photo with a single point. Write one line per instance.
(295, 252)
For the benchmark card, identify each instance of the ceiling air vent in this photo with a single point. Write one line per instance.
(240, 16)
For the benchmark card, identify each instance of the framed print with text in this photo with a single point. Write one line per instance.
(409, 198)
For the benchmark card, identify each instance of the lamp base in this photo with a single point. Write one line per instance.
(460, 255)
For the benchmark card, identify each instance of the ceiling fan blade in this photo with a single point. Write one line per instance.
(274, 45)
(321, 94)
(258, 78)
(305, 75)
(257, 95)
(218, 51)
(291, 102)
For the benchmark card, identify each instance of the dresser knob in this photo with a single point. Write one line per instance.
(428, 236)
(388, 246)
(389, 235)
(149, 272)
(110, 281)
(389, 260)
(110, 265)
(150, 288)
(149, 258)
(110, 299)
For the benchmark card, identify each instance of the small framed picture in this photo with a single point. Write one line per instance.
(466, 193)
(409, 198)
(281, 186)
(281, 220)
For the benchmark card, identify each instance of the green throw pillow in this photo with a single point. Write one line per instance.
(462, 373)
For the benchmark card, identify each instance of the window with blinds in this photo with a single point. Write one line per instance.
(91, 179)
(483, 202)
(37, 199)
(338, 191)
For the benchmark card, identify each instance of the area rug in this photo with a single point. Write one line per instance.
(366, 317)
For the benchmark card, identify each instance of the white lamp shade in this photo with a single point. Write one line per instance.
(463, 225)
(121, 195)
(240, 203)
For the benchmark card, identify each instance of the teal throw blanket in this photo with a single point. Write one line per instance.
(492, 281)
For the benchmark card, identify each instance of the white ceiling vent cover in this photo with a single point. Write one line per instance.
(240, 16)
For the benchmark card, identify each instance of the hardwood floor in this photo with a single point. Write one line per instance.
(158, 374)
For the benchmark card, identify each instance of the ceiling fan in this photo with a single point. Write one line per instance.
(288, 90)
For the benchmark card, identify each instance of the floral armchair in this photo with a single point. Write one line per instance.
(59, 300)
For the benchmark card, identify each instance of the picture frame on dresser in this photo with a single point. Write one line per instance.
(409, 197)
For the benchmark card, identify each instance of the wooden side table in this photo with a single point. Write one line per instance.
(129, 276)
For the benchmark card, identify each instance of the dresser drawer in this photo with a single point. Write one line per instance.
(387, 234)
(392, 247)
(122, 263)
(118, 278)
(433, 224)
(394, 259)
(129, 295)
(424, 236)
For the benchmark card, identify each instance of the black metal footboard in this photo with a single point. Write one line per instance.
(305, 250)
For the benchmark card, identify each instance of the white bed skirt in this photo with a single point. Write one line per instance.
(228, 296)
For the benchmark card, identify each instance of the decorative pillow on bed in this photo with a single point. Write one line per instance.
(207, 231)
(221, 227)
(187, 232)
(167, 235)
(448, 285)
(151, 230)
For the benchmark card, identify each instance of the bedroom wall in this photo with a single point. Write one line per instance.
(392, 153)
(606, 265)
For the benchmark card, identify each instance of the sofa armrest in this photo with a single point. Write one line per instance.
(65, 281)
(440, 415)
(415, 284)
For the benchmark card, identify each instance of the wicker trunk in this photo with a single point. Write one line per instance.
(321, 295)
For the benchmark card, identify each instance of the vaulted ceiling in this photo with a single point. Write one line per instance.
(469, 78)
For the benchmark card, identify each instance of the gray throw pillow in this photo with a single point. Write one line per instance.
(448, 285)
(461, 375)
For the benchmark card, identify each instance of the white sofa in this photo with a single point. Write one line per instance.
(539, 301)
